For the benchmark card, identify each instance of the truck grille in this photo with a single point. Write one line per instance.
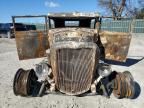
(74, 70)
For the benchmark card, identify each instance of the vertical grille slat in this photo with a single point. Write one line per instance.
(74, 69)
